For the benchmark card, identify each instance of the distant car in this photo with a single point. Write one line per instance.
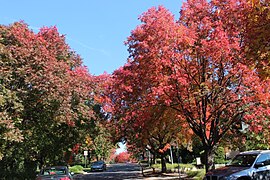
(249, 165)
(55, 173)
(98, 166)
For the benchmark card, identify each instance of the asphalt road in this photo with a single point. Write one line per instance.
(114, 171)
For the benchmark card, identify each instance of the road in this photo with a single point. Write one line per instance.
(114, 171)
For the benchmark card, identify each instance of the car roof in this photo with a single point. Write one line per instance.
(256, 152)
(99, 162)
(55, 167)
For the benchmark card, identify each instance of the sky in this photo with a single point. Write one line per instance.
(94, 29)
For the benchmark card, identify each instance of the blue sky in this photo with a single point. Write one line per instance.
(95, 29)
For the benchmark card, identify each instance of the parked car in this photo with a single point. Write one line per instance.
(249, 165)
(98, 166)
(55, 173)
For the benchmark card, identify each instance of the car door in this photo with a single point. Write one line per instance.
(262, 167)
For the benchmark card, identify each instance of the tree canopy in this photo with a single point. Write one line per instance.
(46, 94)
(195, 66)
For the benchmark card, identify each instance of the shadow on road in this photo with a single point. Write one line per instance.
(127, 171)
(114, 171)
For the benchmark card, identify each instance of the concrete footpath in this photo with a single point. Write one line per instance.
(148, 174)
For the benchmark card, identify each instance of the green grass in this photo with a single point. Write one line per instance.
(196, 174)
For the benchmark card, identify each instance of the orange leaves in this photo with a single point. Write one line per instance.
(165, 148)
(257, 37)
(122, 157)
(189, 74)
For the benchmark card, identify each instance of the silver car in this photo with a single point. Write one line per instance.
(249, 165)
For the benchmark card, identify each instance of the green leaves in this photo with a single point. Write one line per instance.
(43, 94)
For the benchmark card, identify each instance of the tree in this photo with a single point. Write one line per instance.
(101, 143)
(10, 105)
(122, 157)
(196, 69)
(144, 126)
(257, 37)
(45, 91)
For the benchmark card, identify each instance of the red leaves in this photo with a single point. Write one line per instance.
(122, 157)
(194, 66)
(45, 64)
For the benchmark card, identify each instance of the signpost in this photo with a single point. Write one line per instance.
(85, 153)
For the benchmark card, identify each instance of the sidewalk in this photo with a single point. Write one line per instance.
(148, 174)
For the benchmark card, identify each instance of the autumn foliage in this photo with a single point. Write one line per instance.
(202, 74)
(195, 66)
(45, 94)
(122, 157)
(257, 37)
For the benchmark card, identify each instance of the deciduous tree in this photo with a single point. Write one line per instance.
(194, 66)
(45, 92)
(257, 37)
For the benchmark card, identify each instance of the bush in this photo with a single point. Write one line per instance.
(220, 156)
(76, 169)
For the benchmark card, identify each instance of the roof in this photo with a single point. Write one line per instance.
(255, 152)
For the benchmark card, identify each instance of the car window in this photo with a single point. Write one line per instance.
(98, 163)
(54, 171)
(243, 160)
(264, 158)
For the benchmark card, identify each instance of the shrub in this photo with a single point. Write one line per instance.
(220, 156)
(76, 169)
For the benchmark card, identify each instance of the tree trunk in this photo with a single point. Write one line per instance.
(41, 162)
(163, 164)
(153, 159)
(209, 158)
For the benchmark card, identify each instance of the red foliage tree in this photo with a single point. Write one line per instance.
(122, 157)
(194, 66)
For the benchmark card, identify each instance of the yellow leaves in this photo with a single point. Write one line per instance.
(88, 140)
(258, 36)
(255, 2)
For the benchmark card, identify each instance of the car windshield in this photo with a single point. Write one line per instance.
(54, 171)
(97, 163)
(243, 160)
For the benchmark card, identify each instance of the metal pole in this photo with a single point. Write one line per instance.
(178, 159)
(171, 155)
(149, 160)
(85, 161)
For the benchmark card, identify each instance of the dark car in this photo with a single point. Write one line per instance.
(98, 166)
(55, 173)
(249, 165)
